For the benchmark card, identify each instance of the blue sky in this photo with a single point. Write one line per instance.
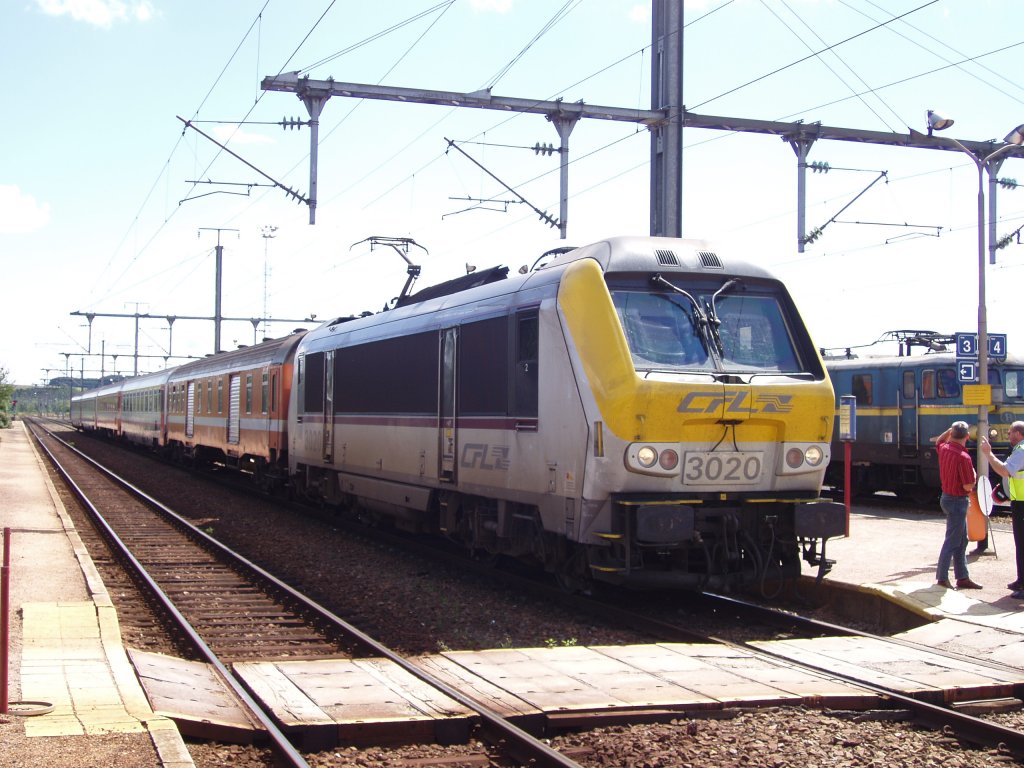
(99, 212)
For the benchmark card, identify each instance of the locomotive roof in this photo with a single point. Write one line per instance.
(494, 295)
(659, 254)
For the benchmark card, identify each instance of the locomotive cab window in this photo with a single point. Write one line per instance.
(527, 353)
(721, 326)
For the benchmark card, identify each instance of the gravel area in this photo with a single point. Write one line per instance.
(769, 738)
(418, 607)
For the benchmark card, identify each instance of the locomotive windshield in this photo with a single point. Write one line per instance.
(709, 329)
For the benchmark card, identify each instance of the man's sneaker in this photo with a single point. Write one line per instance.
(1015, 585)
(967, 584)
(944, 583)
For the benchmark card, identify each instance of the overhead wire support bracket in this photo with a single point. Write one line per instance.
(481, 205)
(544, 215)
(815, 233)
(247, 184)
(287, 190)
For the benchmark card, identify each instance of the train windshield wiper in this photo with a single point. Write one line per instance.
(699, 316)
(713, 321)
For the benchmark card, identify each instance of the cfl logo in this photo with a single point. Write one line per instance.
(483, 456)
(734, 402)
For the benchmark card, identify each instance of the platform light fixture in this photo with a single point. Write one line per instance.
(939, 122)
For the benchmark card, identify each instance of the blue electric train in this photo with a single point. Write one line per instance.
(903, 402)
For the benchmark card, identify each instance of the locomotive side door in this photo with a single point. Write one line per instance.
(328, 444)
(446, 401)
(908, 412)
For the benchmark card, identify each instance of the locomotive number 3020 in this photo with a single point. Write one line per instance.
(721, 468)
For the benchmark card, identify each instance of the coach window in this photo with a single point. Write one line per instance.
(909, 389)
(264, 392)
(863, 388)
(248, 393)
(209, 397)
(220, 396)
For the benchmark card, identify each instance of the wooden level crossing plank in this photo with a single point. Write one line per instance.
(714, 677)
(493, 697)
(192, 695)
(360, 701)
(973, 640)
(912, 671)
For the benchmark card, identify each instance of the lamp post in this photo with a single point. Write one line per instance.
(990, 163)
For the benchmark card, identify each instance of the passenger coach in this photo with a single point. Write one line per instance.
(231, 408)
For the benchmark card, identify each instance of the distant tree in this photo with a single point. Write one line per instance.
(6, 409)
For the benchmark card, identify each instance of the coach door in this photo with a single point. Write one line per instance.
(234, 408)
(190, 409)
(447, 435)
(328, 446)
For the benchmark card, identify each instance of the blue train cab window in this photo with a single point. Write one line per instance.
(941, 383)
(863, 388)
(1013, 386)
(909, 385)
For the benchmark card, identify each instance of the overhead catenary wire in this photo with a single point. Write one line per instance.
(445, 5)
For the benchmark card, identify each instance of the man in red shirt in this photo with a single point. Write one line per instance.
(956, 471)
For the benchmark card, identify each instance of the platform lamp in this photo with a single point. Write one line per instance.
(939, 122)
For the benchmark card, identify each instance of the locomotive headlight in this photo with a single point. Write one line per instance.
(646, 456)
(794, 458)
(653, 459)
(798, 458)
(668, 460)
(813, 455)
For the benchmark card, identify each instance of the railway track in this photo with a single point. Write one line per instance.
(236, 606)
(969, 728)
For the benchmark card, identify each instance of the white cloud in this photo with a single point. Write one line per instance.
(21, 213)
(100, 13)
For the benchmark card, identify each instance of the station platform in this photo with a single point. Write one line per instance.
(68, 673)
(66, 652)
(893, 553)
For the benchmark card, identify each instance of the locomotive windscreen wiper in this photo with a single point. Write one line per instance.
(714, 322)
(706, 336)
